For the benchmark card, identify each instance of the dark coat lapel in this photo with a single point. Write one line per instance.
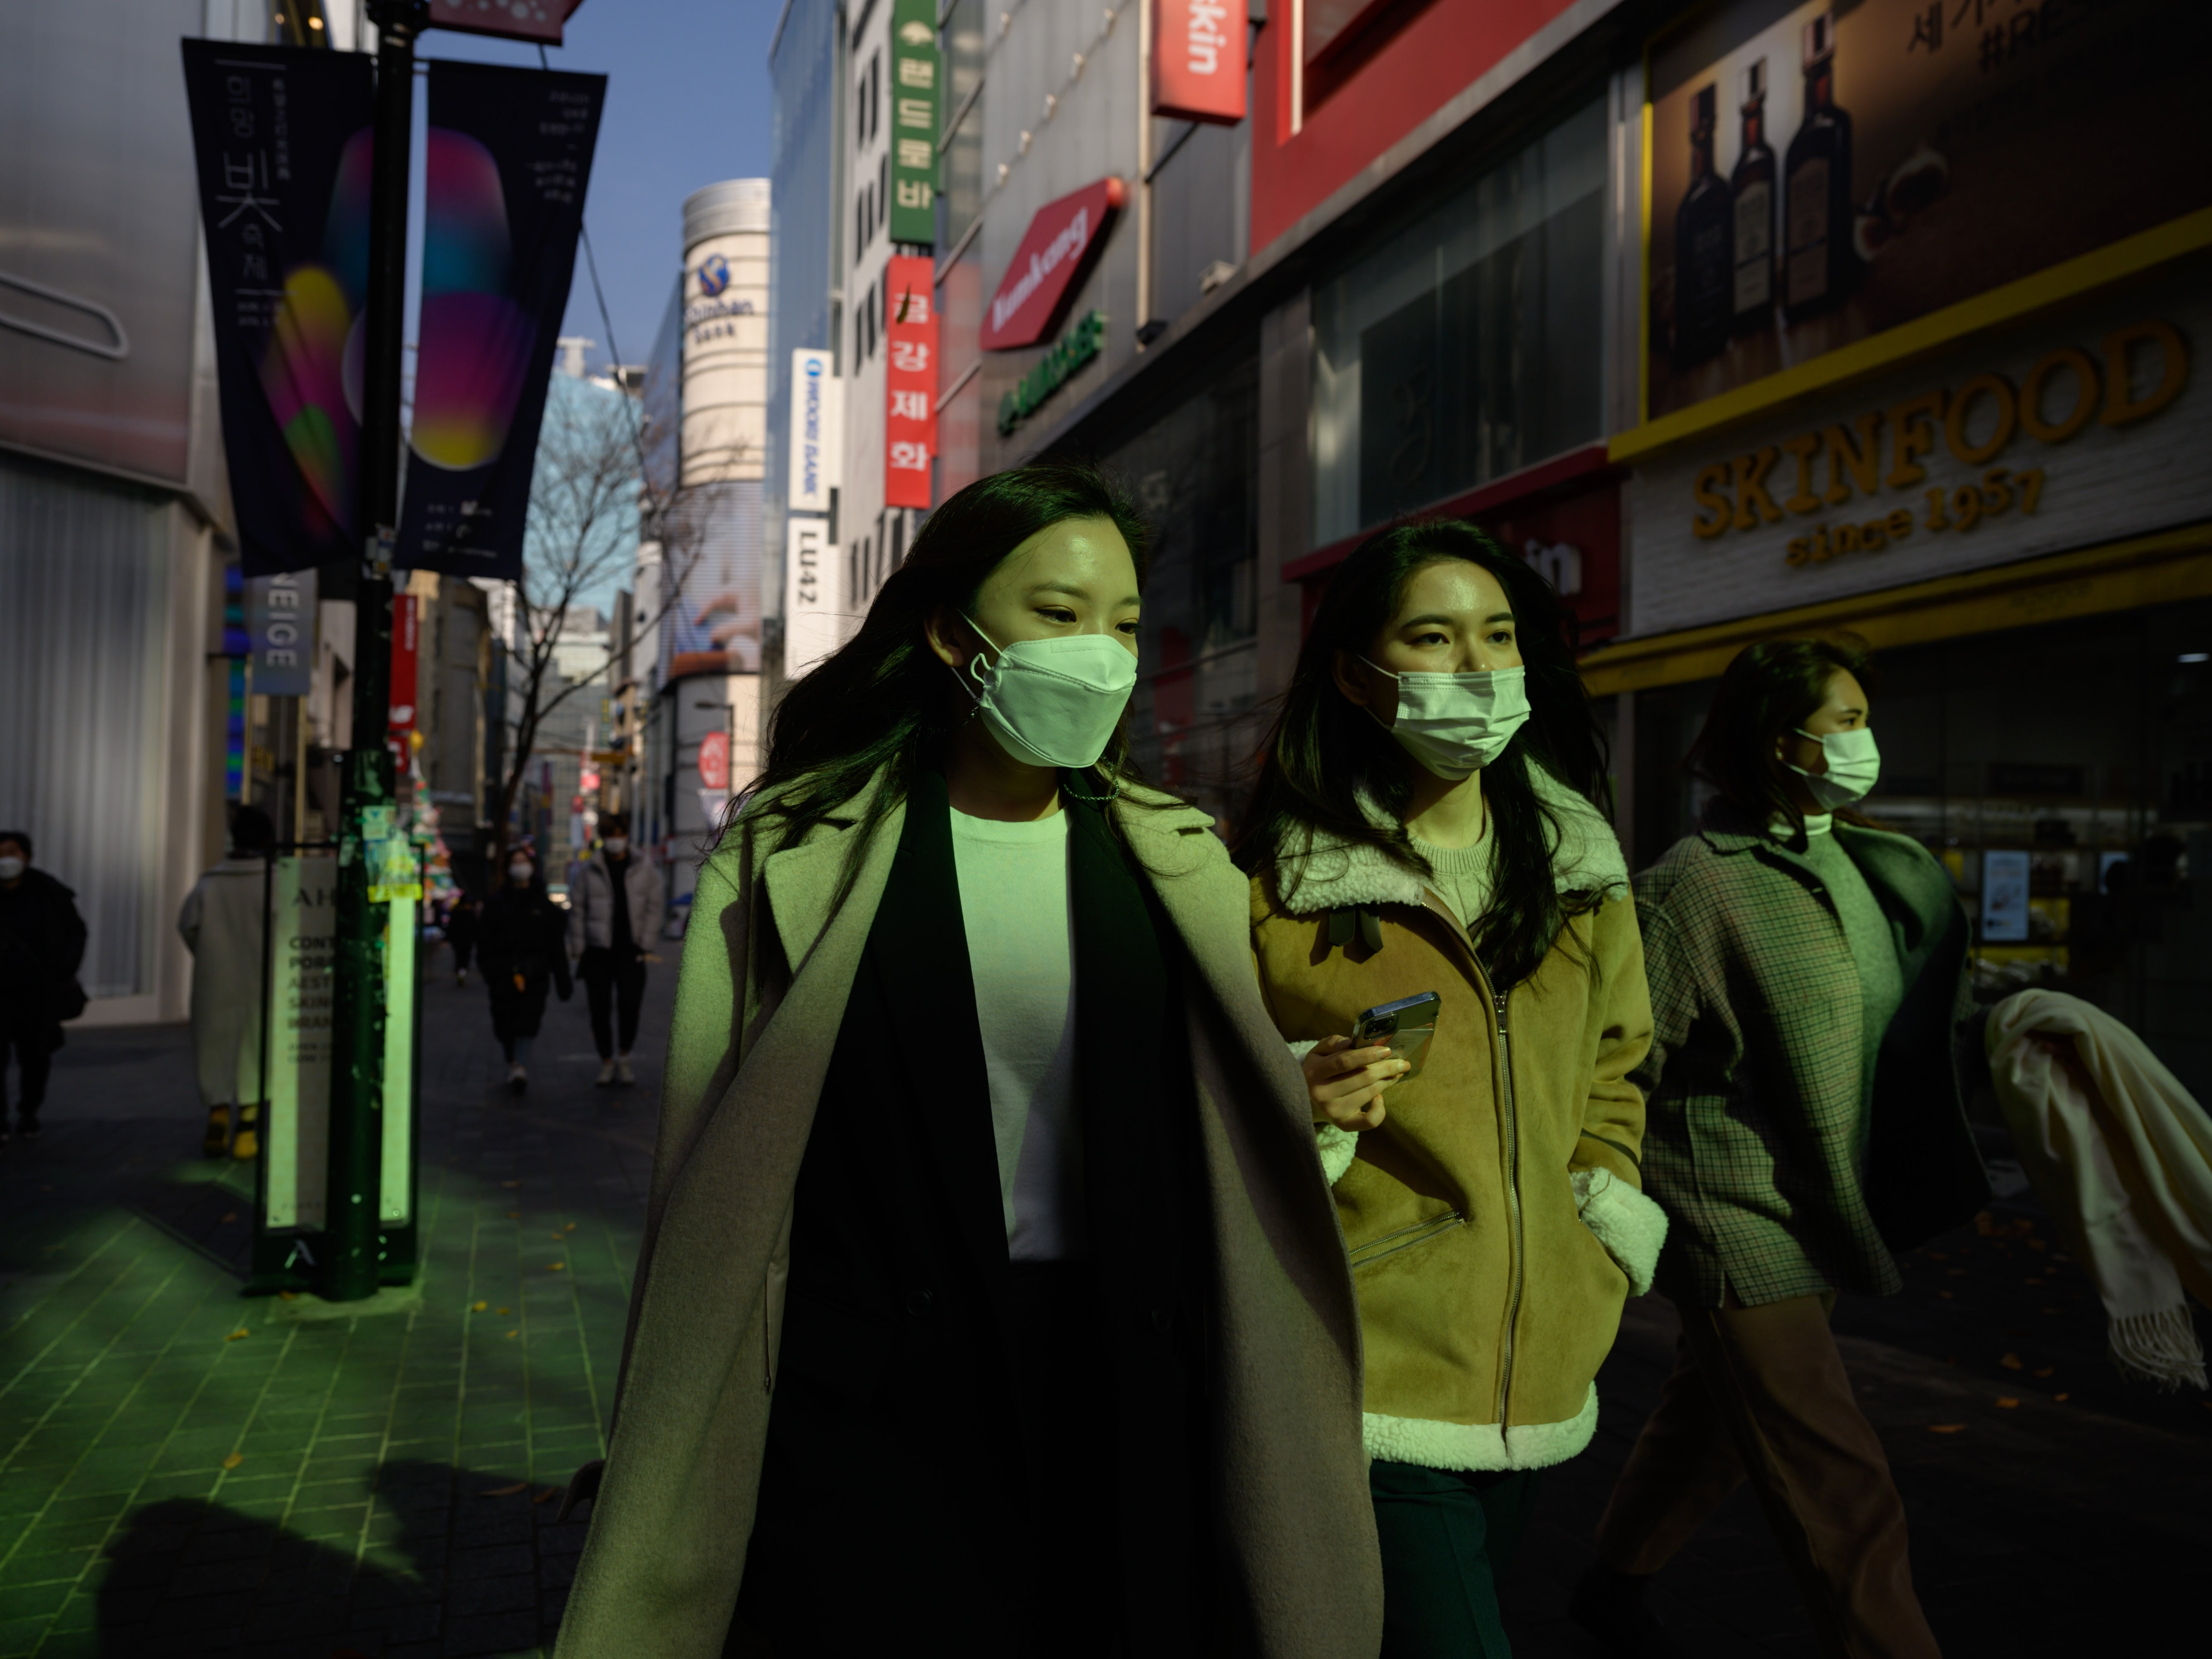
(919, 950)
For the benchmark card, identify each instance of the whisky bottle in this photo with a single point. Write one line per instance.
(1703, 255)
(1753, 183)
(1818, 258)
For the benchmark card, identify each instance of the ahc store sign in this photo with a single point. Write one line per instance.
(2072, 433)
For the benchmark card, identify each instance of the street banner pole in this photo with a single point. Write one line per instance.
(367, 805)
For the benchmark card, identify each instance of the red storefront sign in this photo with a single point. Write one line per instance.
(714, 760)
(1198, 61)
(1063, 241)
(404, 641)
(910, 380)
(538, 21)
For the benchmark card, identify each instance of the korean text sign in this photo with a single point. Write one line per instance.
(916, 96)
(282, 137)
(910, 380)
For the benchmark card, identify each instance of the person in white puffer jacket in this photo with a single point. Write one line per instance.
(614, 906)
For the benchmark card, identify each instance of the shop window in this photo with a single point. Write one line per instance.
(2063, 775)
(1469, 345)
(1193, 474)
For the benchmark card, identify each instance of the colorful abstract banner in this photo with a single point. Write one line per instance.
(509, 159)
(282, 137)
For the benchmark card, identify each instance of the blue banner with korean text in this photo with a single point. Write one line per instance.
(281, 135)
(509, 159)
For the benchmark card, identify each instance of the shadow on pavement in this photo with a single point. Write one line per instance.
(456, 1562)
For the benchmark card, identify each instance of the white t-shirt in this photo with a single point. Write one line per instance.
(1015, 901)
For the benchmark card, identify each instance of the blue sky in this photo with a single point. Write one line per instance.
(687, 106)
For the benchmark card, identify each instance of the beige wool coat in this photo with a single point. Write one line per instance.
(768, 963)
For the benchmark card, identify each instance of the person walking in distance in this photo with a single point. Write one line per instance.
(990, 1300)
(1424, 827)
(522, 951)
(614, 903)
(1806, 972)
(224, 923)
(42, 941)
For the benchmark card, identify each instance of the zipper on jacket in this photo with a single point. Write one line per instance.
(1512, 1204)
(1404, 1238)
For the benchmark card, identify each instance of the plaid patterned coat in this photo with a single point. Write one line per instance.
(1754, 1079)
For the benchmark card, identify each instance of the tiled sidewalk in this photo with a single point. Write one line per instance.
(185, 1470)
(378, 1485)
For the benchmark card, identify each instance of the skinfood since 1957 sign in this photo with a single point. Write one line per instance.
(2071, 432)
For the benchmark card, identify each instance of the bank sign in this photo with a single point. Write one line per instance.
(2081, 429)
(816, 431)
(1062, 243)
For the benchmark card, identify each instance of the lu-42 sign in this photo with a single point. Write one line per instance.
(917, 91)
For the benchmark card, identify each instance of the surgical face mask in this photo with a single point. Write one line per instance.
(1456, 724)
(518, 873)
(11, 868)
(1854, 764)
(617, 846)
(1052, 703)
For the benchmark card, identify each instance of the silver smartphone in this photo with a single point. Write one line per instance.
(1404, 1027)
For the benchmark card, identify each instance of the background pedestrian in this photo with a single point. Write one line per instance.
(614, 903)
(522, 951)
(1806, 970)
(223, 923)
(41, 947)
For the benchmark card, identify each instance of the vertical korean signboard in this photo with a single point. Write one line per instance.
(917, 84)
(813, 595)
(910, 380)
(405, 652)
(1198, 61)
(282, 136)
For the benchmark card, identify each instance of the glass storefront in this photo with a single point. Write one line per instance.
(1468, 345)
(2063, 774)
(1193, 475)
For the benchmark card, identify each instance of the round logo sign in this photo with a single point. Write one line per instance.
(714, 275)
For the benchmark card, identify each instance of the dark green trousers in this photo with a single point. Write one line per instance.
(1447, 1538)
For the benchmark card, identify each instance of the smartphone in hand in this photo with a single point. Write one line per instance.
(1404, 1027)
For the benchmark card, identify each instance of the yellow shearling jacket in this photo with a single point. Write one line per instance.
(1496, 1220)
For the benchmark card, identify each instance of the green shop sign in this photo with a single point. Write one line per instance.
(1074, 349)
(917, 98)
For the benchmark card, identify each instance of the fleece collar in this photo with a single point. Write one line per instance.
(1329, 873)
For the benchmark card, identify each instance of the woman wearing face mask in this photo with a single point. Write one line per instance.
(1424, 822)
(614, 914)
(1806, 1124)
(520, 947)
(989, 1298)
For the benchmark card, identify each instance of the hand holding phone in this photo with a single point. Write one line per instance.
(1346, 1084)
(1403, 1027)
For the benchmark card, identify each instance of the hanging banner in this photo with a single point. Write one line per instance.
(1198, 61)
(817, 431)
(280, 627)
(509, 157)
(281, 135)
(813, 595)
(909, 381)
(917, 85)
(405, 651)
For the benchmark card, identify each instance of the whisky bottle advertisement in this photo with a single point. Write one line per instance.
(1704, 252)
(1887, 162)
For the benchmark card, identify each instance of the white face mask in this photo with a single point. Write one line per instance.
(617, 846)
(1052, 703)
(1456, 724)
(518, 874)
(11, 868)
(1854, 764)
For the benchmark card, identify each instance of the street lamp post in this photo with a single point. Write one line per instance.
(349, 1267)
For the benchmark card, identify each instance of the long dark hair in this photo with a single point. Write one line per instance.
(1769, 690)
(1322, 753)
(884, 699)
